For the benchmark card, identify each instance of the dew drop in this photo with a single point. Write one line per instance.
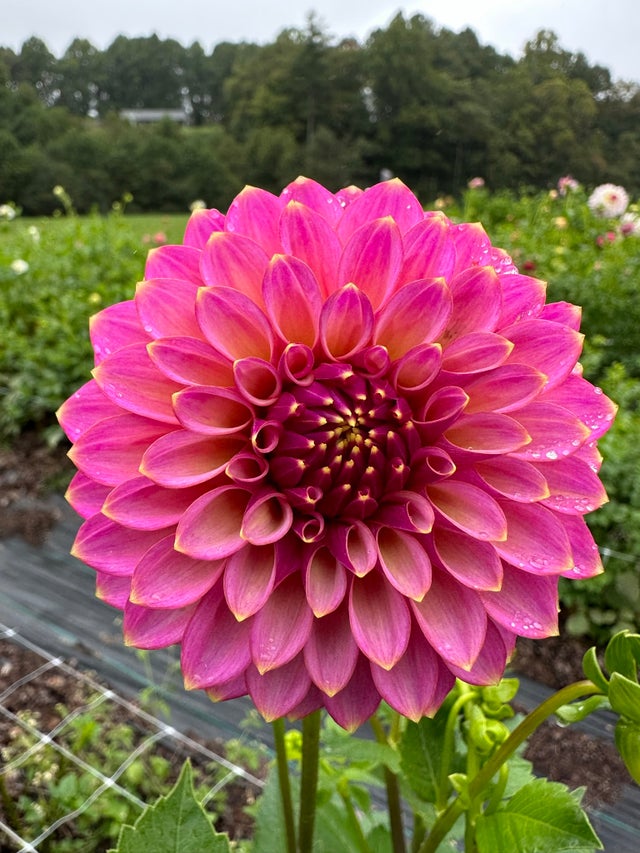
(551, 454)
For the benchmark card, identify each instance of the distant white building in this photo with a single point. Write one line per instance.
(151, 116)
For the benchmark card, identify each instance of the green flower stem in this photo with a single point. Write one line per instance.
(526, 728)
(285, 784)
(343, 790)
(393, 793)
(448, 745)
(309, 780)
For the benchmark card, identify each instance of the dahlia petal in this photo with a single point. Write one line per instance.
(404, 562)
(416, 368)
(201, 225)
(564, 313)
(131, 380)
(236, 262)
(282, 626)
(296, 364)
(85, 495)
(312, 701)
(476, 352)
(249, 578)
(307, 235)
(527, 604)
(247, 468)
(212, 411)
(522, 298)
(354, 546)
(489, 666)
(548, 347)
(215, 646)
(314, 195)
(166, 579)
(154, 629)
(141, 504)
(255, 213)
(574, 486)
(445, 608)
(356, 702)
(372, 259)
(113, 589)
(415, 315)
(190, 361)
(112, 548)
(331, 653)
(178, 262)
(166, 307)
(389, 198)
(233, 324)
(293, 300)
(111, 450)
(82, 410)
(470, 509)
(346, 322)
(513, 478)
(477, 301)
(587, 402)
(325, 582)
(210, 527)
(586, 557)
(410, 686)
(182, 458)
(555, 432)
(429, 251)
(257, 380)
(472, 562)
(115, 327)
(406, 510)
(441, 410)
(486, 432)
(379, 618)
(267, 518)
(504, 389)
(536, 541)
(232, 689)
(277, 692)
(473, 247)
(430, 464)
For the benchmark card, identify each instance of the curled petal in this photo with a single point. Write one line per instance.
(282, 627)
(536, 541)
(166, 306)
(247, 468)
(404, 562)
(417, 367)
(504, 389)
(356, 702)
(296, 364)
(233, 324)
(277, 692)
(257, 380)
(372, 258)
(154, 629)
(293, 300)
(415, 315)
(325, 582)
(331, 653)
(255, 213)
(527, 604)
(442, 410)
(307, 235)
(191, 361)
(249, 578)
(406, 510)
(212, 411)
(112, 548)
(354, 546)
(115, 327)
(470, 509)
(211, 528)
(143, 505)
(267, 518)
(182, 458)
(548, 347)
(234, 261)
(379, 618)
(86, 407)
(346, 322)
(472, 562)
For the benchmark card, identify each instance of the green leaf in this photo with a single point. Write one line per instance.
(593, 671)
(270, 831)
(618, 656)
(336, 743)
(579, 710)
(421, 755)
(627, 736)
(624, 695)
(176, 823)
(542, 817)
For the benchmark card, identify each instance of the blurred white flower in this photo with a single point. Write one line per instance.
(7, 211)
(19, 266)
(198, 204)
(609, 200)
(34, 233)
(630, 225)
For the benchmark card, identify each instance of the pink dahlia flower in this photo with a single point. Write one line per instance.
(608, 200)
(337, 448)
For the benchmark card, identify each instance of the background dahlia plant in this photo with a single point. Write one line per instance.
(340, 450)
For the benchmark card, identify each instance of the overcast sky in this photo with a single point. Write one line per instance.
(606, 31)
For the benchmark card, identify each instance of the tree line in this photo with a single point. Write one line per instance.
(431, 106)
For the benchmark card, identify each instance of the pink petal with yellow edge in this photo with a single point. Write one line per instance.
(232, 689)
(201, 225)
(190, 361)
(84, 409)
(277, 692)
(441, 614)
(417, 368)
(389, 198)
(115, 327)
(470, 509)
(477, 299)
(293, 300)
(410, 686)
(575, 487)
(587, 402)
(353, 545)
(536, 541)
(490, 664)
(183, 458)
(141, 504)
(215, 646)
(372, 259)
(154, 629)
(282, 627)
(379, 618)
(85, 495)
(307, 235)
(255, 213)
(257, 380)
(406, 510)
(315, 196)
(247, 468)
(356, 702)
(212, 411)
(312, 701)
(476, 352)
(586, 557)
(113, 590)
(475, 564)
(527, 604)
(513, 478)
(236, 262)
(555, 432)
(331, 653)
(167, 308)
(325, 581)
(486, 432)
(346, 322)
(415, 315)
(267, 518)
(473, 247)
(131, 380)
(111, 450)
(112, 548)
(428, 250)
(441, 410)
(404, 562)
(504, 389)
(233, 324)
(210, 528)
(549, 348)
(249, 578)
(166, 579)
(564, 313)
(522, 298)
(180, 262)
(296, 364)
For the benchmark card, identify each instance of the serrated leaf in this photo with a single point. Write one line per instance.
(176, 823)
(579, 710)
(421, 755)
(593, 671)
(346, 747)
(624, 695)
(542, 817)
(618, 656)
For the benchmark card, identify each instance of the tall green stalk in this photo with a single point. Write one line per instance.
(309, 780)
(393, 794)
(285, 785)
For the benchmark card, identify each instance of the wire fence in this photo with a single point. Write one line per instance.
(52, 728)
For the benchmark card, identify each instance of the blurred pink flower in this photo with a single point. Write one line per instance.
(337, 448)
(604, 239)
(476, 183)
(567, 184)
(608, 200)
